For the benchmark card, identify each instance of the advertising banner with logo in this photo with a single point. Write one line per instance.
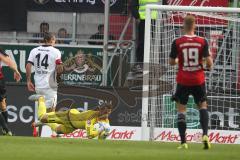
(221, 116)
(116, 133)
(195, 135)
(83, 63)
(161, 134)
(125, 113)
(89, 6)
(126, 105)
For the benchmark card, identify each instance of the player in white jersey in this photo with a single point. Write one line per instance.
(46, 61)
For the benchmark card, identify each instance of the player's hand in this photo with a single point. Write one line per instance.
(17, 76)
(30, 86)
(59, 69)
(58, 78)
(176, 60)
(209, 67)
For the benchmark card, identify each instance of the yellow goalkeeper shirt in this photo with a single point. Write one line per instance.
(78, 119)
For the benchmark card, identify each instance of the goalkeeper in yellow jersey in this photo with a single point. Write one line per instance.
(95, 122)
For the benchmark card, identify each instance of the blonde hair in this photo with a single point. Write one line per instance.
(189, 23)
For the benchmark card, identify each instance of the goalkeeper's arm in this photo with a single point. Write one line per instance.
(98, 129)
(105, 130)
(91, 131)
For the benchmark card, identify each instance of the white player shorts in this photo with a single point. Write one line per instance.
(50, 96)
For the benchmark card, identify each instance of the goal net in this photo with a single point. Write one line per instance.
(220, 26)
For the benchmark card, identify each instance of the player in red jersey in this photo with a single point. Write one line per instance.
(190, 52)
(4, 58)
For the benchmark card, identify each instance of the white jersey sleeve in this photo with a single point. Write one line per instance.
(31, 57)
(58, 58)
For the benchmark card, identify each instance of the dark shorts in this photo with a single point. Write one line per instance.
(182, 93)
(2, 89)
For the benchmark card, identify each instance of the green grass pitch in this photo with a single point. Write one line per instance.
(28, 148)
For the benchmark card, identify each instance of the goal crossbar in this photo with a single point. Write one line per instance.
(191, 8)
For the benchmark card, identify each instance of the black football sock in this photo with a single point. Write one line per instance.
(204, 118)
(3, 123)
(182, 126)
(5, 115)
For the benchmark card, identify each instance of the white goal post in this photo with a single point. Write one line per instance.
(221, 27)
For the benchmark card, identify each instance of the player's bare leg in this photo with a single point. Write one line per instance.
(204, 118)
(182, 126)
